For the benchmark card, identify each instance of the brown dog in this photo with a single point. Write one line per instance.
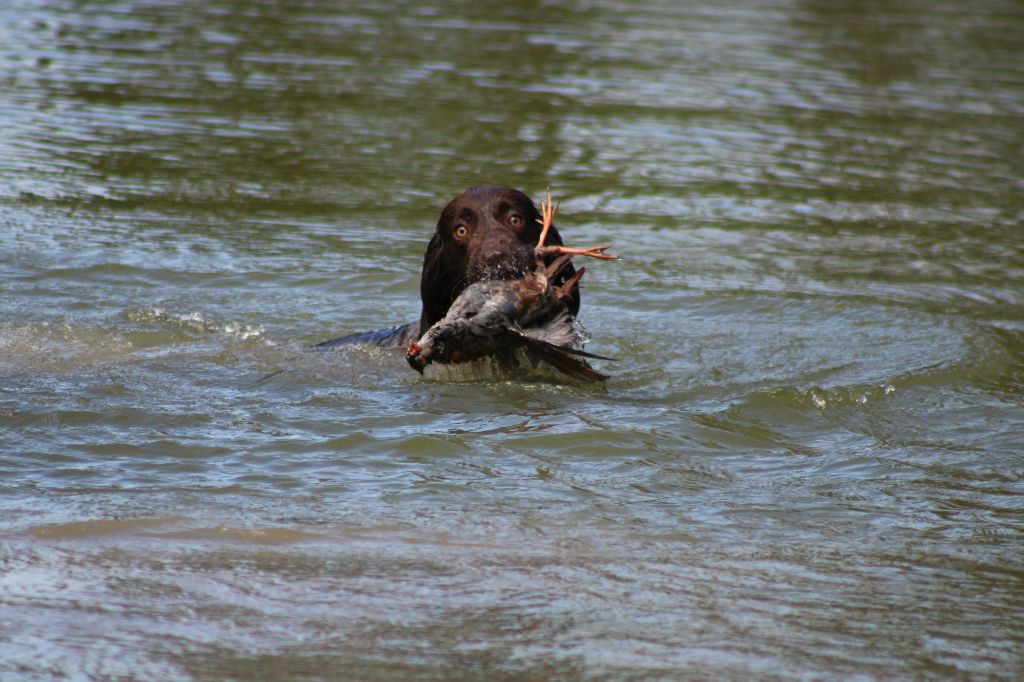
(485, 233)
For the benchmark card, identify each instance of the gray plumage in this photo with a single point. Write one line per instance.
(500, 318)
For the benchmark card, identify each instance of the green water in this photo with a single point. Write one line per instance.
(809, 462)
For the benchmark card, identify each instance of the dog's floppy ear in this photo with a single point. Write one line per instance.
(438, 282)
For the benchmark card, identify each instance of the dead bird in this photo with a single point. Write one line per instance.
(496, 319)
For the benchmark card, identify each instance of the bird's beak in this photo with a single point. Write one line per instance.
(416, 362)
(415, 358)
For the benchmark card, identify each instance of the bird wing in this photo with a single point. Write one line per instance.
(561, 358)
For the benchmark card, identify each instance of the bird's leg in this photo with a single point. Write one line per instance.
(589, 251)
(547, 212)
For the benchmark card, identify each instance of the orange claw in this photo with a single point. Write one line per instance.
(547, 212)
(589, 251)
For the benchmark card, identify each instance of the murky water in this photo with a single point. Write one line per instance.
(809, 462)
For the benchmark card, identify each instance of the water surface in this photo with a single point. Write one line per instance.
(808, 462)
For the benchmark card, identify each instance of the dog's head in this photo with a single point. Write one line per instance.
(485, 233)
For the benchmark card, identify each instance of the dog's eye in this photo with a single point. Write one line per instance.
(515, 220)
(461, 231)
